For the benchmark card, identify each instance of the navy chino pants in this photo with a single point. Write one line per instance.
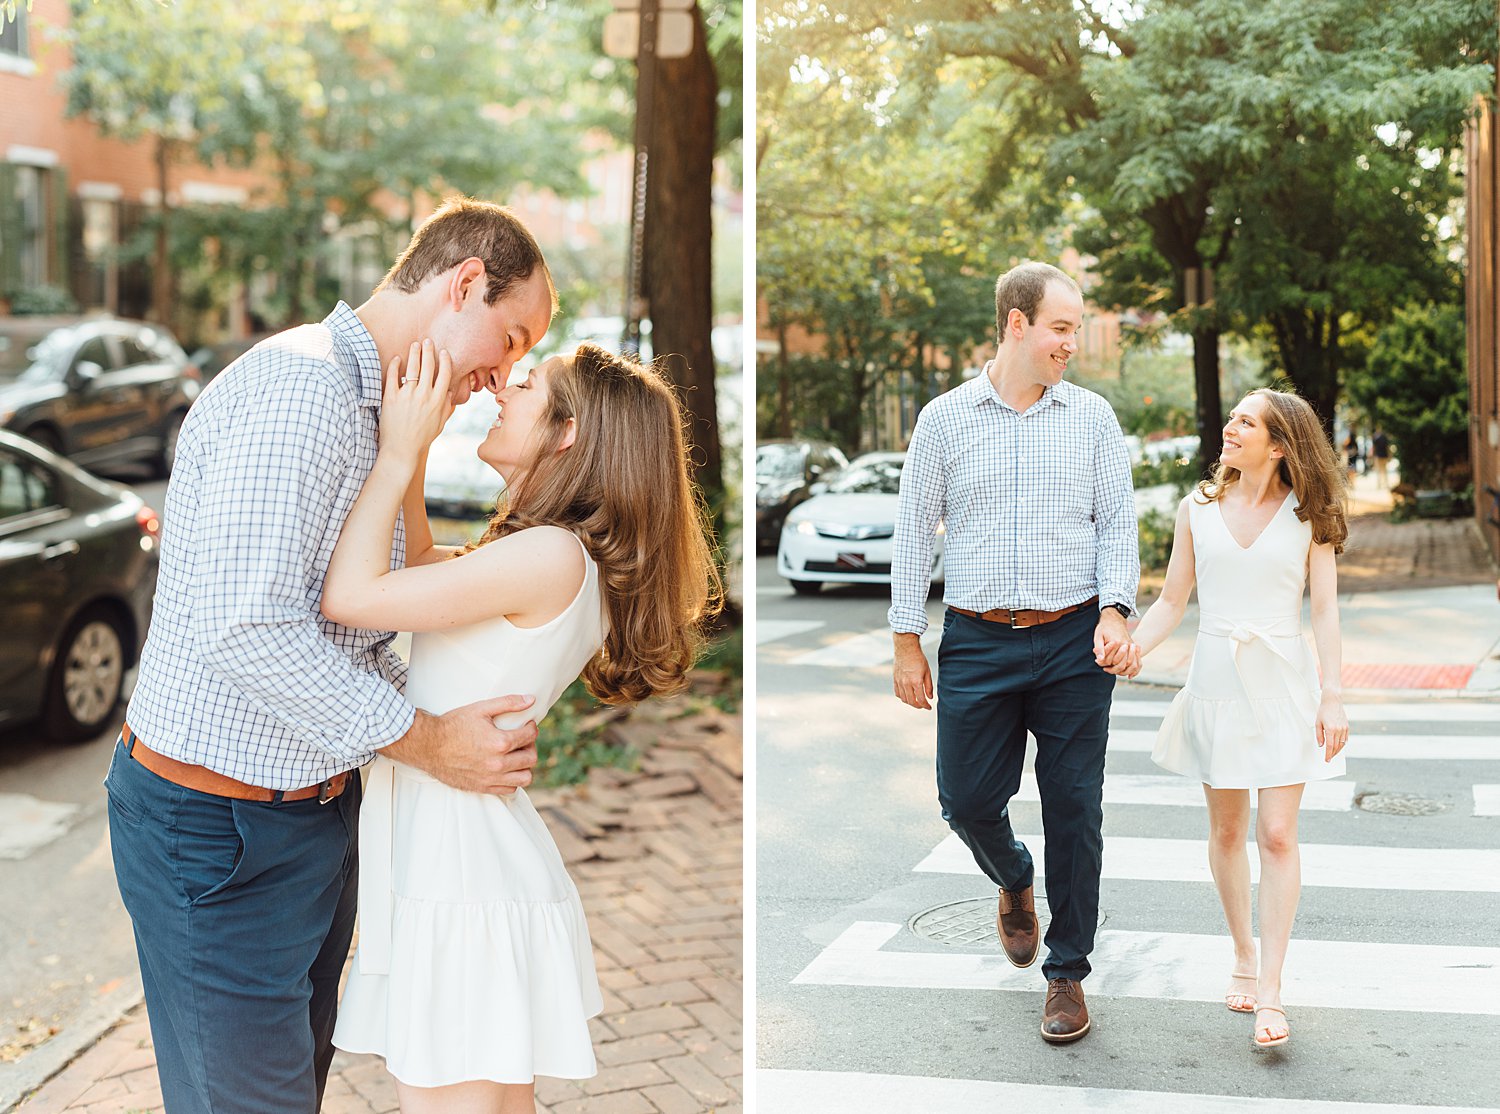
(243, 914)
(994, 684)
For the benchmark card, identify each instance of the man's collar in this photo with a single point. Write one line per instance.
(1061, 392)
(350, 334)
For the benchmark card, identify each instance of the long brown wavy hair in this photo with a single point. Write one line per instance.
(1309, 465)
(623, 488)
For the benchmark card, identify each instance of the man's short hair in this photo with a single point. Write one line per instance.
(463, 227)
(1023, 287)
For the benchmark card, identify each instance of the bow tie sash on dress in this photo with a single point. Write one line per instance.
(1270, 632)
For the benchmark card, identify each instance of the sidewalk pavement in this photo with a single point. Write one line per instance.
(657, 858)
(1417, 603)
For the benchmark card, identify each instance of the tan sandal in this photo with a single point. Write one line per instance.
(1240, 1003)
(1274, 1041)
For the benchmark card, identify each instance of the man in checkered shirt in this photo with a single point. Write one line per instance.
(1030, 478)
(233, 794)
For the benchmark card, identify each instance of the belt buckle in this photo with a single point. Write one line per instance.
(325, 791)
(1010, 620)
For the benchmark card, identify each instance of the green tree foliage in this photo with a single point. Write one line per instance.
(1414, 386)
(355, 110)
(869, 234)
(1282, 144)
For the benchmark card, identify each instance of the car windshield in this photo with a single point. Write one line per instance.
(27, 355)
(778, 462)
(878, 477)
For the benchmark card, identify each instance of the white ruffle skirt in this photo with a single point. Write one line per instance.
(1246, 719)
(474, 960)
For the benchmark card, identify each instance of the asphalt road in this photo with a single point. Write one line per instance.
(1393, 981)
(67, 954)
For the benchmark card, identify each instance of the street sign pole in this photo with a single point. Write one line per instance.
(645, 103)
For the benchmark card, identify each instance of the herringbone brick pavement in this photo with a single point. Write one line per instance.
(657, 856)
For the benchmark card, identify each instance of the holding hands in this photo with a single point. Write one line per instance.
(417, 401)
(1114, 650)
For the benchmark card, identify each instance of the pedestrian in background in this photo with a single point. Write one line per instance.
(1031, 478)
(1352, 456)
(1251, 717)
(1380, 454)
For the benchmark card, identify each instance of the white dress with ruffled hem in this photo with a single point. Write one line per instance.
(474, 960)
(1246, 719)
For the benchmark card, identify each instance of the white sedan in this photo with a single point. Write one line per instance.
(843, 534)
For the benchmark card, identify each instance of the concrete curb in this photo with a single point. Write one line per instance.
(85, 1030)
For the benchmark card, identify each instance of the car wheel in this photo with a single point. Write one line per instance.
(806, 587)
(87, 676)
(166, 459)
(46, 437)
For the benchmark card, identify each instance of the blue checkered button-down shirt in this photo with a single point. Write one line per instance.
(1038, 507)
(240, 672)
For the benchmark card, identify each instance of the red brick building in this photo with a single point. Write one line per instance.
(69, 196)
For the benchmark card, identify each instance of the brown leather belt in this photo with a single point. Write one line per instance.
(1022, 618)
(204, 780)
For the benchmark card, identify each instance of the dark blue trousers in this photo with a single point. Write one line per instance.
(243, 913)
(994, 684)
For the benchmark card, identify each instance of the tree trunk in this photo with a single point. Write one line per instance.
(677, 268)
(1309, 355)
(161, 268)
(783, 385)
(1210, 407)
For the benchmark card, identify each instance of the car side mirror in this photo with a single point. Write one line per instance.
(85, 372)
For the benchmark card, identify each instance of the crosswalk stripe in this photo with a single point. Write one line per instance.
(1175, 791)
(769, 630)
(1405, 748)
(844, 1092)
(1333, 865)
(1187, 967)
(872, 648)
(1487, 800)
(1435, 711)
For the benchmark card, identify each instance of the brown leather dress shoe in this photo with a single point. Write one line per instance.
(1064, 1018)
(1016, 924)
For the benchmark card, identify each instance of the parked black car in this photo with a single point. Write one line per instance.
(784, 471)
(100, 391)
(78, 558)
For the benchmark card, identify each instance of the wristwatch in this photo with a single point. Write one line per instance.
(1121, 608)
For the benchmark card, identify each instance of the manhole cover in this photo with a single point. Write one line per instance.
(1398, 804)
(969, 924)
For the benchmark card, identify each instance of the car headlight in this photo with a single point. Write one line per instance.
(805, 526)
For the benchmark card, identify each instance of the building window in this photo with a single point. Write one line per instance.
(100, 236)
(32, 193)
(14, 39)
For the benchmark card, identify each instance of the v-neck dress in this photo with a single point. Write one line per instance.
(1246, 719)
(474, 959)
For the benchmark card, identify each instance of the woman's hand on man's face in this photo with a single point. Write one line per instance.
(418, 399)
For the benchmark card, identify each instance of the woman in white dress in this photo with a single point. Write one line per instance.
(1252, 715)
(474, 971)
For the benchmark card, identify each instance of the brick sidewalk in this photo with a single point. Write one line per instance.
(657, 857)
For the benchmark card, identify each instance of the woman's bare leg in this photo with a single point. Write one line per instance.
(1228, 826)
(478, 1097)
(1280, 888)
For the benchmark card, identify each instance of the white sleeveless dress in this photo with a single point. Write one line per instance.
(1246, 719)
(474, 960)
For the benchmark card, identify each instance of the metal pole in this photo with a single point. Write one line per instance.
(645, 98)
